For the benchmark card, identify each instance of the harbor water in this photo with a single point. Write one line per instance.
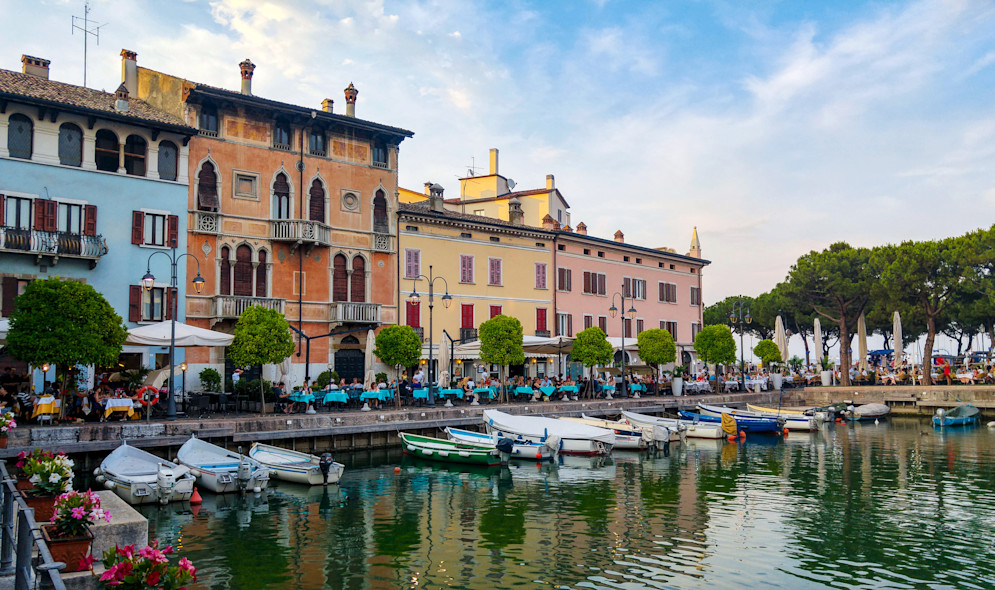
(897, 504)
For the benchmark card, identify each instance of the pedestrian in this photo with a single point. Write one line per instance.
(947, 372)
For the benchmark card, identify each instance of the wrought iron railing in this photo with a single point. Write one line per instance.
(360, 313)
(55, 243)
(20, 537)
(301, 230)
(468, 333)
(542, 333)
(420, 331)
(232, 306)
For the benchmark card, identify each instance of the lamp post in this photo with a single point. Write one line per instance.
(447, 300)
(149, 281)
(613, 311)
(734, 318)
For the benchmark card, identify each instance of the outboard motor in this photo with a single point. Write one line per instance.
(940, 416)
(244, 474)
(553, 443)
(682, 431)
(325, 465)
(781, 421)
(661, 439)
(165, 480)
(505, 446)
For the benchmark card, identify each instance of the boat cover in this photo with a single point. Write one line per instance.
(538, 427)
(276, 456)
(204, 455)
(131, 462)
(872, 410)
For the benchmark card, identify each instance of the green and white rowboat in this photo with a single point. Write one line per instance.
(451, 451)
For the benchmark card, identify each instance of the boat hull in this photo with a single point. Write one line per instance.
(522, 451)
(574, 439)
(216, 469)
(568, 446)
(966, 415)
(138, 493)
(294, 466)
(790, 422)
(139, 477)
(691, 430)
(447, 451)
(744, 423)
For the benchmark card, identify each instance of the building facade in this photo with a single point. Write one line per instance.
(289, 207)
(91, 185)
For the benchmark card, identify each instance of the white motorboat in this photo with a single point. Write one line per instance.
(574, 439)
(791, 421)
(686, 428)
(139, 477)
(524, 450)
(295, 466)
(627, 436)
(220, 470)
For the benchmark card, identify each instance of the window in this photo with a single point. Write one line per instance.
(495, 239)
(261, 275)
(281, 136)
(242, 273)
(412, 263)
(494, 271)
(379, 155)
(635, 288)
(20, 136)
(563, 279)
(106, 151)
(465, 268)
(167, 160)
(495, 311)
(207, 188)
(411, 228)
(695, 296)
(603, 323)
(12, 288)
(627, 327)
(560, 247)
(564, 324)
(380, 223)
(412, 313)
(625, 259)
(671, 267)
(692, 270)
(17, 212)
(466, 235)
(466, 316)
(640, 326)
(595, 283)
(601, 254)
(587, 251)
(152, 304)
(670, 327)
(588, 321)
(225, 287)
(357, 285)
(134, 155)
(541, 319)
(340, 279)
(695, 328)
(70, 218)
(209, 121)
(668, 293)
(479, 211)
(660, 264)
(540, 245)
(316, 201)
(70, 145)
(281, 197)
(639, 260)
(316, 143)
(154, 232)
(246, 185)
(540, 275)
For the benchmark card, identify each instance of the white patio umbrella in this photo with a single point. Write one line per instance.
(781, 339)
(899, 345)
(818, 340)
(368, 382)
(444, 376)
(862, 342)
(284, 369)
(4, 328)
(186, 335)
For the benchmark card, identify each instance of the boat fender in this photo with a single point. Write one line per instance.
(991, 424)
(411, 448)
(443, 453)
(96, 471)
(505, 445)
(110, 485)
(101, 479)
(464, 454)
(785, 431)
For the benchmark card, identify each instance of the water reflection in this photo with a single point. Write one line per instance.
(895, 504)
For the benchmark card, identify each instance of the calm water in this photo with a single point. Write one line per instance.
(895, 505)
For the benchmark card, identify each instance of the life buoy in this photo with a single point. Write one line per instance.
(142, 394)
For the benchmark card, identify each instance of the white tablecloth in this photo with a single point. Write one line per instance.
(119, 403)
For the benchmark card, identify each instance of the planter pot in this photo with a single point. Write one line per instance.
(3, 441)
(44, 507)
(69, 551)
(677, 386)
(777, 380)
(827, 378)
(24, 484)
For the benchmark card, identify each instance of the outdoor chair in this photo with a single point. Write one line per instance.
(202, 406)
(228, 401)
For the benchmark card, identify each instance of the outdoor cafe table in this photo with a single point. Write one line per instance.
(379, 395)
(524, 390)
(548, 390)
(336, 395)
(455, 392)
(302, 398)
(574, 389)
(46, 406)
(637, 387)
(966, 377)
(730, 385)
(119, 404)
(420, 393)
(485, 391)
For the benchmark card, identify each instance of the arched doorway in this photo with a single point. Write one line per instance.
(349, 360)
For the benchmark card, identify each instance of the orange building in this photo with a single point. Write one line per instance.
(290, 208)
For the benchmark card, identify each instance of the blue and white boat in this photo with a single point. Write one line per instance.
(522, 449)
(751, 424)
(139, 477)
(791, 421)
(965, 415)
(222, 471)
(295, 466)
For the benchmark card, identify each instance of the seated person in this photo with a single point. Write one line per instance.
(7, 400)
(282, 398)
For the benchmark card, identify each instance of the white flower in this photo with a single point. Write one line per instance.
(54, 478)
(69, 462)
(34, 478)
(67, 485)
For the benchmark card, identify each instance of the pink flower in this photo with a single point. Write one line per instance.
(152, 554)
(126, 551)
(188, 567)
(117, 573)
(152, 579)
(168, 549)
(107, 515)
(78, 513)
(86, 563)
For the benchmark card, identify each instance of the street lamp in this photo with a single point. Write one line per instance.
(613, 311)
(447, 300)
(734, 318)
(149, 281)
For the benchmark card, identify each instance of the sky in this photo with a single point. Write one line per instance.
(775, 127)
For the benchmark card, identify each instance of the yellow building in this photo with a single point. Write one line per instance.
(489, 266)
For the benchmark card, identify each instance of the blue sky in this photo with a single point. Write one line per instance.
(774, 127)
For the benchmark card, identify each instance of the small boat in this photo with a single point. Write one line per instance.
(751, 424)
(295, 466)
(791, 422)
(965, 415)
(764, 410)
(868, 412)
(452, 451)
(573, 439)
(521, 449)
(682, 427)
(221, 471)
(139, 477)
(627, 436)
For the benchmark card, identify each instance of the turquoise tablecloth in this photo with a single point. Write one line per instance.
(637, 387)
(336, 396)
(524, 391)
(381, 395)
(550, 390)
(451, 392)
(420, 393)
(569, 389)
(490, 392)
(304, 398)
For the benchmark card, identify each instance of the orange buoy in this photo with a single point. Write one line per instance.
(731, 438)
(785, 431)
(538, 455)
(742, 434)
(195, 498)
(397, 470)
(195, 508)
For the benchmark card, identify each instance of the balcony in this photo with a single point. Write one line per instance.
(381, 242)
(52, 243)
(542, 333)
(206, 222)
(467, 334)
(230, 307)
(300, 232)
(420, 332)
(344, 312)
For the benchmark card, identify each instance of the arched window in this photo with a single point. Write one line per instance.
(317, 204)
(243, 271)
(20, 136)
(207, 188)
(358, 286)
(225, 271)
(281, 197)
(209, 120)
(106, 151)
(261, 275)
(340, 279)
(134, 155)
(380, 223)
(167, 160)
(70, 145)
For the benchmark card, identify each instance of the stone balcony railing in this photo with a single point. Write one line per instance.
(344, 312)
(300, 231)
(227, 307)
(206, 222)
(52, 243)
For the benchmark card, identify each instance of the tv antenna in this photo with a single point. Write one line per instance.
(471, 170)
(88, 28)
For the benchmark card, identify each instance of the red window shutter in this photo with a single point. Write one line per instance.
(137, 227)
(601, 285)
(587, 282)
(639, 326)
(660, 285)
(540, 275)
(173, 231)
(466, 316)
(89, 220)
(495, 311)
(9, 286)
(170, 296)
(413, 313)
(588, 321)
(39, 214)
(340, 279)
(570, 325)
(627, 287)
(603, 324)
(541, 319)
(243, 271)
(1, 209)
(357, 289)
(225, 287)
(51, 216)
(261, 275)
(134, 303)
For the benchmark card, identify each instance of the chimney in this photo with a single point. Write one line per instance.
(129, 70)
(494, 161)
(428, 188)
(246, 68)
(567, 229)
(35, 66)
(582, 229)
(350, 100)
(548, 223)
(436, 201)
(619, 237)
(515, 214)
(121, 98)
(550, 182)
(326, 105)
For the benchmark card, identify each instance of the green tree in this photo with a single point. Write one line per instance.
(262, 336)
(501, 344)
(398, 345)
(65, 323)
(715, 345)
(656, 347)
(767, 352)
(591, 348)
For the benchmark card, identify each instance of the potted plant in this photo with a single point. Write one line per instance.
(677, 383)
(827, 371)
(7, 423)
(148, 567)
(68, 536)
(51, 475)
(23, 474)
(210, 380)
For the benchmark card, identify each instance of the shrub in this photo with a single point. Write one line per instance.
(327, 377)
(210, 380)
